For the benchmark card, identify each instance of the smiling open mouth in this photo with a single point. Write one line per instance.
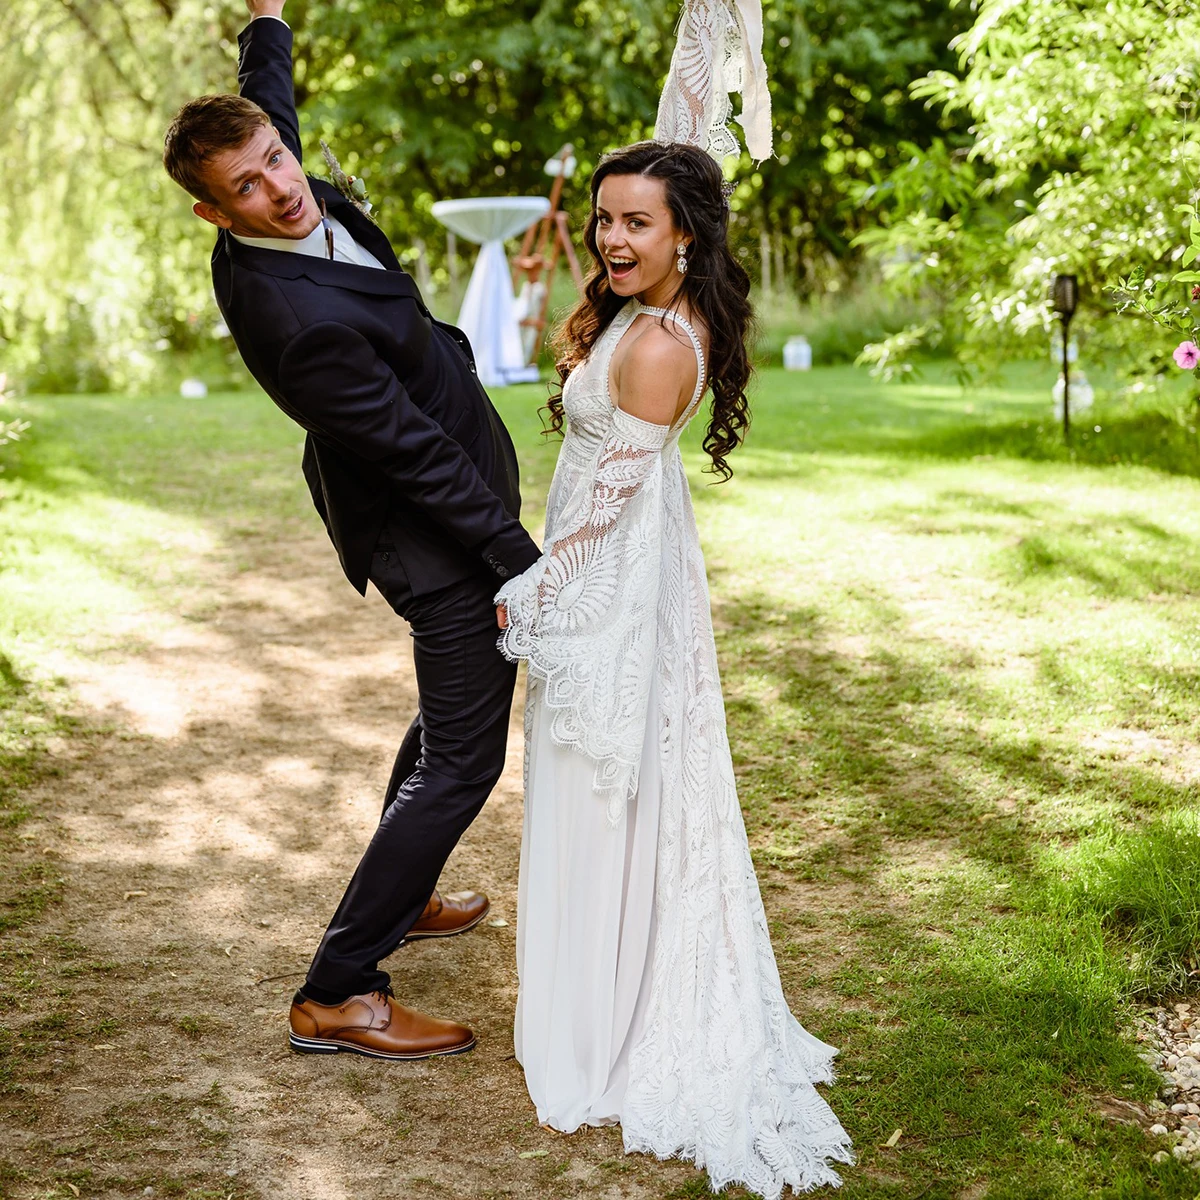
(290, 214)
(618, 268)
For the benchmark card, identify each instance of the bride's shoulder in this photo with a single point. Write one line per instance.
(657, 374)
(663, 347)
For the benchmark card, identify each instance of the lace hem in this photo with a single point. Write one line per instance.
(723, 1074)
(807, 1177)
(768, 1129)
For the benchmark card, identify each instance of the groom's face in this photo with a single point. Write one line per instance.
(260, 190)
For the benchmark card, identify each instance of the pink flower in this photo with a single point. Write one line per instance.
(1187, 355)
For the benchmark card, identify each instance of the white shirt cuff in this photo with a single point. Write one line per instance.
(269, 17)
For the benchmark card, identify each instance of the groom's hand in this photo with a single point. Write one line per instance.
(265, 8)
(502, 616)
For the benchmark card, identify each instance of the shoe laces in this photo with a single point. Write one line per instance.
(385, 992)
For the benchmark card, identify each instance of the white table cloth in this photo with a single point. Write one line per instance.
(488, 315)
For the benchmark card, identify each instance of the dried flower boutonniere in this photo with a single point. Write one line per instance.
(350, 186)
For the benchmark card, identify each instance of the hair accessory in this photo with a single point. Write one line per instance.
(727, 190)
(681, 261)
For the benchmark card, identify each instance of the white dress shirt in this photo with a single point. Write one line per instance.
(345, 248)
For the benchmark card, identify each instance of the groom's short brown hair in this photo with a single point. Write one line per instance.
(205, 127)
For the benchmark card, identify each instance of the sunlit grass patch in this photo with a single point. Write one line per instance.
(1143, 885)
(948, 664)
(963, 700)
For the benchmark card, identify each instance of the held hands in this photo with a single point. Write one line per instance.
(502, 616)
(265, 8)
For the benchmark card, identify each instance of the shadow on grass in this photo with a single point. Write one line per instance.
(12, 684)
(233, 454)
(1117, 554)
(900, 744)
(27, 719)
(1093, 552)
(843, 411)
(982, 1021)
(28, 886)
(1153, 438)
(1144, 886)
(996, 1044)
(234, 457)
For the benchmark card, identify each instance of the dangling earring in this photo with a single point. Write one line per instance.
(681, 261)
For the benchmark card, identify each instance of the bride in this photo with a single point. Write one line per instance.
(649, 993)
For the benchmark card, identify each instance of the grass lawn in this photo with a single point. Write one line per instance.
(963, 683)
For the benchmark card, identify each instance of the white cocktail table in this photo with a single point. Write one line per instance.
(488, 316)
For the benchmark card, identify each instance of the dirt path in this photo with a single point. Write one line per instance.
(202, 844)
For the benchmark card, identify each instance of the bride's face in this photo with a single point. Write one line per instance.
(637, 237)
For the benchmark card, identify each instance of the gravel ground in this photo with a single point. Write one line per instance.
(1171, 1037)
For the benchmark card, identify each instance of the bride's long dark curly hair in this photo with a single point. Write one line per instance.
(715, 286)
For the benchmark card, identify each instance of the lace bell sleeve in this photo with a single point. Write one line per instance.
(584, 615)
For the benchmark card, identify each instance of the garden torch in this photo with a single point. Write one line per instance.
(1064, 300)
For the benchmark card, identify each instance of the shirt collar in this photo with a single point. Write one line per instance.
(314, 244)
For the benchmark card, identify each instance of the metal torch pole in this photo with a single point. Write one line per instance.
(1066, 369)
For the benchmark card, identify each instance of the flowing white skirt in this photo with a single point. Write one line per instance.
(585, 931)
(728, 1082)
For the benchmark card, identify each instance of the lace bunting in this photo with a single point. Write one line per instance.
(718, 52)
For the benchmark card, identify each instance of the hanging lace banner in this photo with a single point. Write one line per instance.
(718, 53)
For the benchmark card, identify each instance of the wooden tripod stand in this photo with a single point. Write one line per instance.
(540, 251)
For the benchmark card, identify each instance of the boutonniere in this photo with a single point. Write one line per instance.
(350, 186)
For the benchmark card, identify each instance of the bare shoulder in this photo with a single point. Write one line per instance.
(657, 374)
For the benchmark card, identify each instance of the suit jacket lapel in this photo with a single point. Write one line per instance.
(392, 281)
(364, 231)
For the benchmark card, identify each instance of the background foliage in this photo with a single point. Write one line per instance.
(971, 151)
(1083, 142)
(106, 268)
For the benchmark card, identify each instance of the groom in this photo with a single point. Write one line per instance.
(415, 478)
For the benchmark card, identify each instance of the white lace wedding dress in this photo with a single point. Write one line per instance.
(649, 993)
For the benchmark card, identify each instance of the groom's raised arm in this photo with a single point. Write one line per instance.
(265, 68)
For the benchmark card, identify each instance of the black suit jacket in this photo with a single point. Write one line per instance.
(403, 443)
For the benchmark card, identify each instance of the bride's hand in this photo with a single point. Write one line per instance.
(502, 616)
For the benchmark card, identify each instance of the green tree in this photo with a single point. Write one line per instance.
(100, 263)
(429, 100)
(425, 100)
(844, 117)
(1083, 144)
(105, 266)
(474, 96)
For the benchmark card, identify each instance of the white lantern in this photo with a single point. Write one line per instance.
(797, 354)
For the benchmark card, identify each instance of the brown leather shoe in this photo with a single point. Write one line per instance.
(444, 916)
(376, 1025)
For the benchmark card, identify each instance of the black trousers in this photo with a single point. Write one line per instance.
(446, 767)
